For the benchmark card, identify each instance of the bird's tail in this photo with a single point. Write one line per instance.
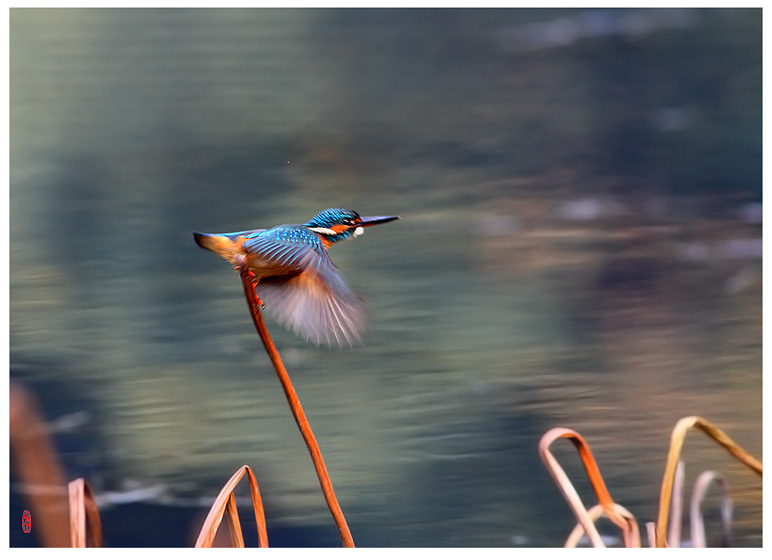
(225, 245)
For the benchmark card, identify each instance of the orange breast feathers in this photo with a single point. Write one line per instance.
(337, 228)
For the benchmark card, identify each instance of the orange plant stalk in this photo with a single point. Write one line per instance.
(247, 279)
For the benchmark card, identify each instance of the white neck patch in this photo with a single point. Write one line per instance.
(323, 231)
(359, 231)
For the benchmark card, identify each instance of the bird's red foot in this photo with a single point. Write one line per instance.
(253, 279)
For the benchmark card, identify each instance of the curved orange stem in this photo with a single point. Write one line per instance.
(627, 524)
(247, 279)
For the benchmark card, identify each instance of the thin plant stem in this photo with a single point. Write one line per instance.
(247, 280)
(676, 507)
(695, 511)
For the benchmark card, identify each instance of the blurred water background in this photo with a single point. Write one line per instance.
(580, 246)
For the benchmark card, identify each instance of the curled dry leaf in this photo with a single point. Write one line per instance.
(38, 467)
(628, 525)
(84, 514)
(594, 512)
(695, 511)
(676, 443)
(227, 502)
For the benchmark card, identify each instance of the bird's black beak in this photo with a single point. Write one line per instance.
(374, 220)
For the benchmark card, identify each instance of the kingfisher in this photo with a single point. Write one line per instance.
(295, 280)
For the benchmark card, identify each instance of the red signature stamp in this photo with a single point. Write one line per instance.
(26, 521)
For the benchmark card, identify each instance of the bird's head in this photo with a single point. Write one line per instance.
(336, 224)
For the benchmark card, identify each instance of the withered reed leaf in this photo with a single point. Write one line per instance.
(237, 538)
(695, 511)
(594, 512)
(629, 527)
(38, 466)
(676, 443)
(84, 514)
(226, 500)
(651, 533)
(676, 507)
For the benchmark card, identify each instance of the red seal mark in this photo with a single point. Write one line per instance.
(26, 521)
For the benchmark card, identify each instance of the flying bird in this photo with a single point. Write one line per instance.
(296, 280)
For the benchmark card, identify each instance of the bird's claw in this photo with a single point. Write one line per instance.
(241, 262)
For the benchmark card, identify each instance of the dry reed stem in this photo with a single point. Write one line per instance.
(37, 466)
(676, 507)
(695, 514)
(247, 281)
(237, 538)
(594, 512)
(629, 529)
(695, 511)
(84, 514)
(651, 533)
(227, 502)
(676, 443)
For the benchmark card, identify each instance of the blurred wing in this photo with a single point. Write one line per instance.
(312, 300)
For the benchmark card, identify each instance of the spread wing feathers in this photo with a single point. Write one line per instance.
(309, 297)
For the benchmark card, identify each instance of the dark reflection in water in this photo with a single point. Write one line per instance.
(580, 245)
